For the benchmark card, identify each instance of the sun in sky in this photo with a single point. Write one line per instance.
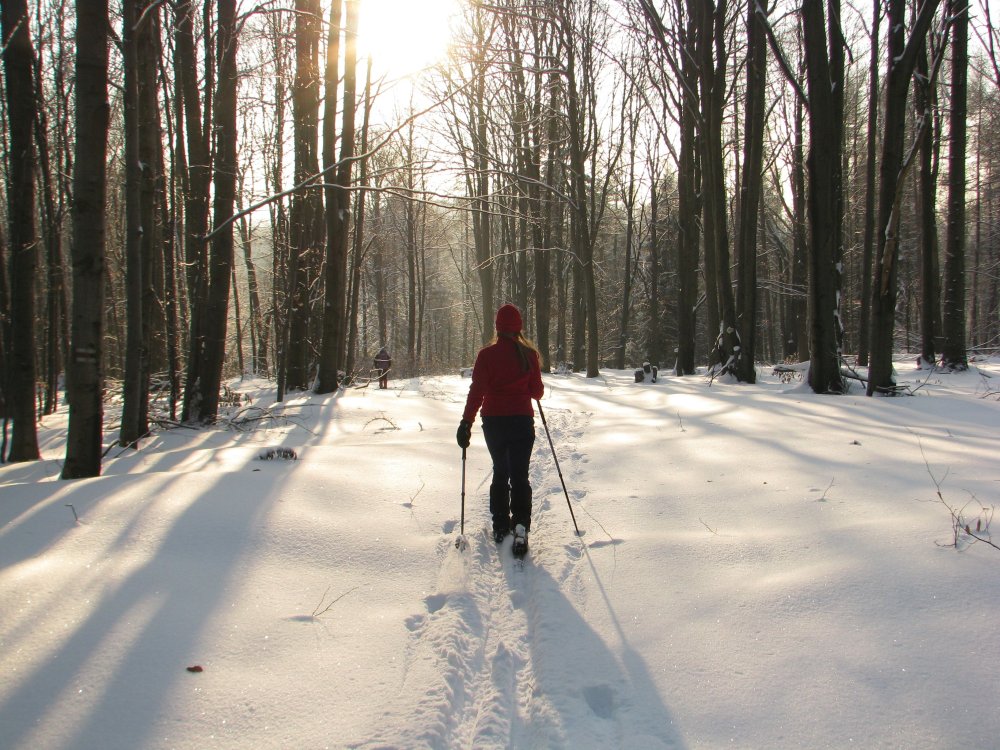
(404, 37)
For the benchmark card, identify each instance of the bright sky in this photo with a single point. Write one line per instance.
(405, 36)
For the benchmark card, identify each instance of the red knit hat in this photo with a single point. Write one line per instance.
(509, 319)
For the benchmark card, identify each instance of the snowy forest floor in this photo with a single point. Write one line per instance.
(760, 567)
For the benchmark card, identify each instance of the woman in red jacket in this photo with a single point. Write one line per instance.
(505, 379)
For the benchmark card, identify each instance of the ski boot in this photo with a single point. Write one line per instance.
(520, 546)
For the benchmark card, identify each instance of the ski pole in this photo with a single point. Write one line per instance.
(545, 424)
(460, 542)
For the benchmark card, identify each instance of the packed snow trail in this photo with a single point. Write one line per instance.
(502, 655)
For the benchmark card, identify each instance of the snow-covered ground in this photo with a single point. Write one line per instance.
(760, 567)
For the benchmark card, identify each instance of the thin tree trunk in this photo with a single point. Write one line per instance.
(799, 306)
(953, 349)
(359, 228)
(51, 224)
(586, 325)
(930, 297)
(864, 320)
(629, 201)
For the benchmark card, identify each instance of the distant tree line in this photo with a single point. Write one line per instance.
(194, 191)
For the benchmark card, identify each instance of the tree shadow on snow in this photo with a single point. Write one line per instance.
(121, 663)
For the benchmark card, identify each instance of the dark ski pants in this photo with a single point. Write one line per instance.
(510, 440)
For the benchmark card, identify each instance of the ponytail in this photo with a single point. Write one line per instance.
(524, 348)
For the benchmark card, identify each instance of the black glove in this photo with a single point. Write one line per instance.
(464, 434)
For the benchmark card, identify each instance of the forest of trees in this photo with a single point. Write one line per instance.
(199, 190)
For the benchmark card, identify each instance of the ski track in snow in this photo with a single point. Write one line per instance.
(477, 672)
(503, 655)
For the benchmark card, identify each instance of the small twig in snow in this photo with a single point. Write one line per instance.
(414, 495)
(382, 418)
(822, 498)
(317, 613)
(959, 524)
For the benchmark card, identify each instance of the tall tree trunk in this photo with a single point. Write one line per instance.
(84, 370)
(585, 286)
(799, 304)
(953, 346)
(338, 205)
(196, 199)
(631, 122)
(280, 278)
(871, 138)
(17, 59)
(654, 335)
(751, 187)
(930, 297)
(358, 253)
(546, 287)
(712, 56)
(824, 72)
(379, 271)
(480, 178)
(52, 213)
(224, 183)
(306, 220)
(688, 208)
(901, 61)
(258, 330)
(410, 250)
(141, 141)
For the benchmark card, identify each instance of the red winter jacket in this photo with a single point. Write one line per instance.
(499, 385)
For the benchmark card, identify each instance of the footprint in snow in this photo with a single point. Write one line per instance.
(414, 622)
(435, 602)
(601, 699)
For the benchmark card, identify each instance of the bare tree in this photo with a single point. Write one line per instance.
(864, 320)
(683, 61)
(751, 188)
(824, 54)
(141, 143)
(224, 185)
(710, 20)
(338, 201)
(953, 350)
(197, 181)
(54, 188)
(19, 79)
(306, 219)
(902, 52)
(84, 371)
